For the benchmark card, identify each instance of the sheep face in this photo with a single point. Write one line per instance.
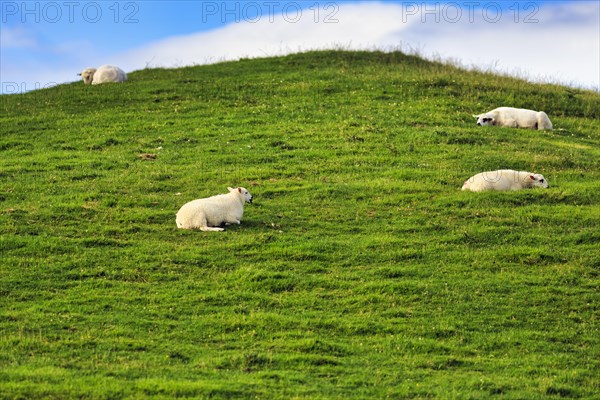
(484, 120)
(538, 180)
(243, 193)
(87, 75)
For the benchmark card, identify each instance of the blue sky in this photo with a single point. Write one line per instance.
(47, 42)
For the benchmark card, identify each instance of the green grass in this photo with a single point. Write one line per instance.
(360, 271)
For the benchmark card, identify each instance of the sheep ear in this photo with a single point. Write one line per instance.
(230, 189)
(476, 116)
(532, 177)
(239, 190)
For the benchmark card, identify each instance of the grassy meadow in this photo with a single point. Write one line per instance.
(360, 271)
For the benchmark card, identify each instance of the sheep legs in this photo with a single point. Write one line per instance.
(208, 228)
(202, 224)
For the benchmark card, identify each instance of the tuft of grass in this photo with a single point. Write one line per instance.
(361, 270)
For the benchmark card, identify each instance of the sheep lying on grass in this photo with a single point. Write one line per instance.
(104, 74)
(504, 179)
(210, 213)
(515, 118)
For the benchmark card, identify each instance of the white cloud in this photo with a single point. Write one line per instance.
(17, 38)
(40, 64)
(562, 46)
(558, 42)
(353, 26)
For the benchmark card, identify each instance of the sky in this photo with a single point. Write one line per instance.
(44, 43)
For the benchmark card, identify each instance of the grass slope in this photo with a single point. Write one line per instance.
(360, 271)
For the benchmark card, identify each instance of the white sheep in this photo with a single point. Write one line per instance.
(515, 118)
(210, 213)
(104, 74)
(504, 179)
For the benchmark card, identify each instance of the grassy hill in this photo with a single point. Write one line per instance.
(360, 271)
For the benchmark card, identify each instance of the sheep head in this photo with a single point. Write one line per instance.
(87, 75)
(484, 119)
(243, 193)
(538, 180)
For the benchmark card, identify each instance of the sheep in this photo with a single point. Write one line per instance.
(210, 213)
(515, 118)
(104, 74)
(504, 179)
